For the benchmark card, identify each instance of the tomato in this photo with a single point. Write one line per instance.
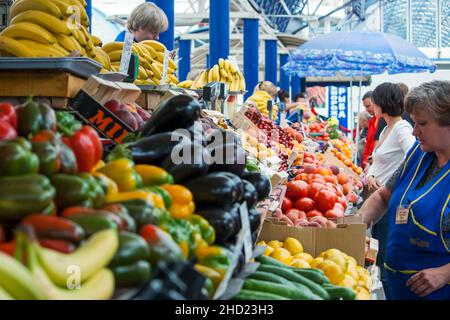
(286, 205)
(314, 188)
(324, 171)
(342, 178)
(325, 200)
(305, 204)
(297, 189)
(331, 179)
(314, 213)
(317, 180)
(300, 214)
(302, 176)
(334, 214)
(309, 169)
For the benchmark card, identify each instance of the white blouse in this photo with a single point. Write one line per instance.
(391, 153)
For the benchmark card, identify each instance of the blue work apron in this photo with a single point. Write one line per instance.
(421, 242)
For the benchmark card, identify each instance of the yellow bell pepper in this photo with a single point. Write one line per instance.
(153, 175)
(112, 186)
(123, 173)
(209, 273)
(130, 195)
(158, 201)
(182, 200)
(98, 165)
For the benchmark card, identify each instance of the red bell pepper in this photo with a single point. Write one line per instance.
(87, 147)
(57, 245)
(7, 132)
(8, 114)
(8, 248)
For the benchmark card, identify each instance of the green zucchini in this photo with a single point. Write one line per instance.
(315, 275)
(257, 295)
(337, 292)
(270, 261)
(270, 277)
(292, 276)
(279, 289)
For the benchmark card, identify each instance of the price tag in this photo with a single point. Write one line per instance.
(126, 53)
(165, 63)
(245, 223)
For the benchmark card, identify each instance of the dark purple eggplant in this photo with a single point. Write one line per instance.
(153, 149)
(250, 194)
(179, 112)
(255, 219)
(260, 182)
(222, 221)
(237, 181)
(229, 157)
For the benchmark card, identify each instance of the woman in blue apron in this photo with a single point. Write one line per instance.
(418, 198)
(146, 22)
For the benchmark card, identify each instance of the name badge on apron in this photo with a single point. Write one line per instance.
(401, 217)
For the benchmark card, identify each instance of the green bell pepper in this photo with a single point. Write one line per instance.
(132, 275)
(17, 158)
(144, 212)
(163, 193)
(183, 232)
(203, 227)
(97, 192)
(72, 190)
(132, 248)
(23, 195)
(34, 117)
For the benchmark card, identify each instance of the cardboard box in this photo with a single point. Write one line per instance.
(349, 238)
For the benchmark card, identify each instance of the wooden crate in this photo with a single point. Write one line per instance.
(58, 86)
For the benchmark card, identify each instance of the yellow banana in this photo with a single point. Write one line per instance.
(28, 30)
(221, 63)
(173, 79)
(232, 68)
(226, 66)
(216, 75)
(65, 7)
(99, 52)
(5, 295)
(97, 41)
(157, 73)
(91, 257)
(158, 46)
(141, 73)
(89, 43)
(15, 48)
(242, 82)
(115, 55)
(43, 19)
(79, 36)
(42, 50)
(155, 81)
(223, 73)
(41, 5)
(16, 280)
(83, 15)
(210, 75)
(160, 56)
(185, 84)
(112, 46)
(68, 43)
(149, 73)
(150, 49)
(224, 80)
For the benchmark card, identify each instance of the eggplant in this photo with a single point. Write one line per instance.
(179, 112)
(217, 191)
(255, 219)
(153, 149)
(260, 182)
(222, 222)
(220, 136)
(236, 215)
(237, 181)
(229, 157)
(250, 194)
(194, 160)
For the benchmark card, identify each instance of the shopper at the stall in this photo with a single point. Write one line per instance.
(146, 22)
(272, 90)
(371, 127)
(283, 95)
(364, 118)
(416, 198)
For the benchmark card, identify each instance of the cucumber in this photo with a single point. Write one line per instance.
(279, 289)
(294, 277)
(337, 292)
(312, 274)
(270, 277)
(256, 295)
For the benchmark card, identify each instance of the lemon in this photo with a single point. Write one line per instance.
(348, 282)
(304, 256)
(299, 263)
(330, 253)
(293, 245)
(351, 270)
(275, 244)
(282, 255)
(315, 262)
(268, 249)
(339, 260)
(362, 294)
(262, 244)
(332, 270)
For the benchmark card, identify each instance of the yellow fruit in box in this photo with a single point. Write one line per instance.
(367, 281)
(315, 262)
(252, 141)
(275, 244)
(362, 271)
(348, 282)
(351, 270)
(331, 252)
(339, 260)
(293, 245)
(268, 250)
(304, 256)
(362, 294)
(300, 263)
(282, 255)
(332, 270)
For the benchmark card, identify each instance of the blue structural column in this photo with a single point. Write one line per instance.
(284, 78)
(89, 13)
(295, 83)
(251, 45)
(167, 37)
(271, 66)
(184, 59)
(219, 30)
(302, 84)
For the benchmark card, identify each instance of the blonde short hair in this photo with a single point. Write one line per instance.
(148, 16)
(266, 86)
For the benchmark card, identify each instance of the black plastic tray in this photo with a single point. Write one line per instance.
(79, 66)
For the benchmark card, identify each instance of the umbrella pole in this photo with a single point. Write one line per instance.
(357, 123)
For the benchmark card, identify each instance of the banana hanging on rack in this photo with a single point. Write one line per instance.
(29, 30)
(43, 19)
(42, 50)
(156, 45)
(41, 5)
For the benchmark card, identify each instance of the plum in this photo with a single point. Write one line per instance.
(139, 120)
(127, 117)
(114, 105)
(143, 113)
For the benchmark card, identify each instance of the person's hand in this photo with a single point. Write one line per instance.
(372, 184)
(427, 281)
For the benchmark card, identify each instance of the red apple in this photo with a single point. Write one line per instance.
(113, 105)
(127, 117)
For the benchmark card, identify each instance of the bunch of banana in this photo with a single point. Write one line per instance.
(225, 72)
(187, 84)
(259, 99)
(55, 276)
(151, 61)
(50, 28)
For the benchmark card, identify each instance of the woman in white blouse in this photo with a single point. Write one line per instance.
(395, 139)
